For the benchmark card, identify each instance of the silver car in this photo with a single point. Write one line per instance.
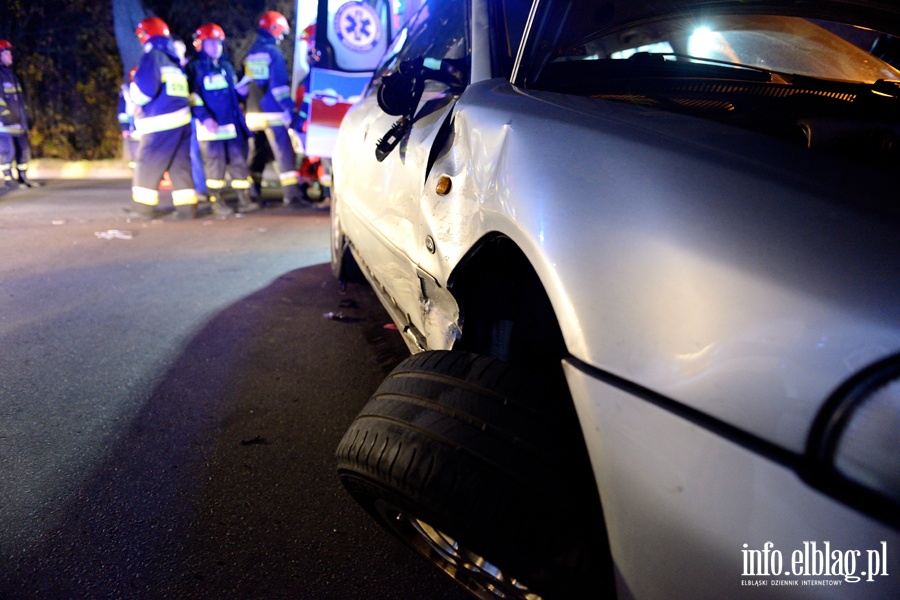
(645, 257)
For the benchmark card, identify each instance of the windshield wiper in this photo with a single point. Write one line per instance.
(775, 76)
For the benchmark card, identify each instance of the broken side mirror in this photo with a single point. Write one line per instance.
(397, 95)
(401, 91)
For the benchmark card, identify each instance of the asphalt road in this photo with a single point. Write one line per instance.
(171, 395)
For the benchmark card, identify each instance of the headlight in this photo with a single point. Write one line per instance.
(855, 443)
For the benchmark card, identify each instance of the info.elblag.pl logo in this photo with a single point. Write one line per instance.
(814, 560)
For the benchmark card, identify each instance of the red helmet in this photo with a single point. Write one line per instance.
(275, 23)
(151, 27)
(5, 45)
(210, 31)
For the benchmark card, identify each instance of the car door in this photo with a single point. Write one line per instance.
(381, 194)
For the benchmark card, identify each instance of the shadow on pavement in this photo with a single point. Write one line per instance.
(224, 486)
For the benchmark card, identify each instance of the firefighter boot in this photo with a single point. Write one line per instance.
(204, 206)
(219, 208)
(24, 183)
(245, 203)
(185, 212)
(140, 211)
(256, 187)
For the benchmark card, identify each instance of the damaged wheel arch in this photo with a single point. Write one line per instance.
(504, 309)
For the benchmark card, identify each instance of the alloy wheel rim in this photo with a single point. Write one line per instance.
(468, 568)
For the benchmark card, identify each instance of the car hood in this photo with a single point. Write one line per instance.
(586, 17)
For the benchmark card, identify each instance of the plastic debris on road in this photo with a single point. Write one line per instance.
(339, 316)
(114, 234)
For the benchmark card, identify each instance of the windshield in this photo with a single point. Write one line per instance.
(784, 44)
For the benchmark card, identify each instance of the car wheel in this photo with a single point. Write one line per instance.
(480, 466)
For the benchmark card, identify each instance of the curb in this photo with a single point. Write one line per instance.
(50, 168)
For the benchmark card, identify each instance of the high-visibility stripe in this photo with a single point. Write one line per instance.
(137, 96)
(288, 177)
(184, 197)
(259, 121)
(281, 92)
(164, 122)
(196, 100)
(12, 129)
(215, 81)
(215, 184)
(240, 184)
(224, 132)
(145, 196)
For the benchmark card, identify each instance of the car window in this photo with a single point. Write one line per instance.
(437, 31)
(784, 44)
(787, 76)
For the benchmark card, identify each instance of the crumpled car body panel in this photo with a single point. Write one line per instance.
(722, 276)
(739, 277)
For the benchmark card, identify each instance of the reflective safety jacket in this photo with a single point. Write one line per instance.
(269, 92)
(13, 119)
(213, 97)
(160, 89)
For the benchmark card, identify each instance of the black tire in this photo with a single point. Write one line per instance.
(469, 459)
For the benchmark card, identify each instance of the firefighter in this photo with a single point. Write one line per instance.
(160, 90)
(14, 146)
(270, 107)
(220, 125)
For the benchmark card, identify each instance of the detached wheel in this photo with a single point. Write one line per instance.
(481, 468)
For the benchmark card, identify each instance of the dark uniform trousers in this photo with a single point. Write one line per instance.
(162, 151)
(280, 144)
(14, 148)
(22, 153)
(221, 154)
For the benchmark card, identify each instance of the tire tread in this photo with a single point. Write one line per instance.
(486, 456)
